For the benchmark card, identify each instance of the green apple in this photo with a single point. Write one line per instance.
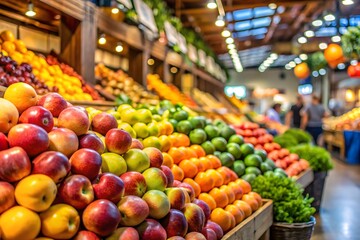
(144, 115)
(152, 141)
(129, 116)
(141, 130)
(153, 129)
(113, 163)
(136, 160)
(155, 179)
(127, 127)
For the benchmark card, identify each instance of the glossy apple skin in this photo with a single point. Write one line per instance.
(133, 210)
(101, 217)
(91, 141)
(124, 233)
(4, 143)
(33, 139)
(209, 234)
(189, 189)
(7, 196)
(175, 223)
(53, 102)
(151, 229)
(86, 162)
(176, 197)
(15, 164)
(39, 116)
(169, 175)
(195, 236)
(63, 140)
(118, 141)
(103, 122)
(86, 235)
(52, 164)
(204, 207)
(158, 203)
(194, 216)
(135, 183)
(155, 179)
(136, 144)
(109, 187)
(76, 191)
(176, 238)
(155, 156)
(74, 119)
(216, 228)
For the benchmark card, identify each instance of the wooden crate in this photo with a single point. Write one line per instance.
(2, 91)
(305, 178)
(255, 226)
(101, 105)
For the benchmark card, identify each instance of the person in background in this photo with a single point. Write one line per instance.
(312, 118)
(274, 113)
(293, 117)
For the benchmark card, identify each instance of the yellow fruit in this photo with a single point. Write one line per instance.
(20, 46)
(22, 95)
(17, 57)
(9, 115)
(19, 223)
(60, 221)
(36, 192)
(7, 36)
(8, 46)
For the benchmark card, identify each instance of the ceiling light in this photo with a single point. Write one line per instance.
(269, 61)
(287, 67)
(232, 51)
(292, 64)
(354, 62)
(297, 60)
(226, 33)
(274, 56)
(119, 47)
(336, 38)
(30, 11)
(115, 10)
(323, 46)
(231, 46)
(173, 70)
(261, 70)
(266, 64)
(272, 6)
(329, 17)
(280, 9)
(150, 61)
(317, 23)
(341, 66)
(276, 19)
(303, 56)
(229, 40)
(315, 73)
(322, 72)
(220, 21)
(309, 33)
(211, 4)
(102, 39)
(347, 2)
(302, 40)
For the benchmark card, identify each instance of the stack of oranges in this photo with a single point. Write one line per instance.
(229, 198)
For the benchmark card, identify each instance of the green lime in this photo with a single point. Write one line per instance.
(212, 131)
(262, 153)
(253, 170)
(227, 159)
(198, 121)
(236, 139)
(269, 174)
(173, 122)
(208, 147)
(217, 154)
(239, 167)
(184, 126)
(227, 131)
(265, 167)
(252, 160)
(280, 171)
(270, 163)
(249, 177)
(180, 115)
(280, 175)
(219, 123)
(197, 136)
(219, 143)
(246, 149)
(234, 149)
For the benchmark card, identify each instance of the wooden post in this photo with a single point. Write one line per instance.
(138, 67)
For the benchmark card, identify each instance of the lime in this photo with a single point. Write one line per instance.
(153, 129)
(265, 167)
(246, 149)
(197, 122)
(208, 147)
(261, 153)
(219, 143)
(249, 177)
(227, 159)
(219, 123)
(280, 171)
(197, 136)
(144, 115)
(236, 139)
(280, 175)
(180, 115)
(217, 153)
(157, 117)
(270, 163)
(253, 170)
(226, 132)
(173, 122)
(234, 149)
(269, 174)
(252, 160)
(239, 167)
(212, 131)
(141, 130)
(184, 126)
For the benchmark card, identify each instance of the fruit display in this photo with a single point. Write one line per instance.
(207, 100)
(347, 121)
(119, 83)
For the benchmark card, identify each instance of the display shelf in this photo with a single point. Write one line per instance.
(254, 227)
(333, 139)
(305, 178)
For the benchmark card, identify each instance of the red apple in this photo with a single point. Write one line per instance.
(176, 183)
(209, 234)
(39, 116)
(101, 217)
(195, 236)
(195, 217)
(176, 197)
(169, 175)
(216, 228)
(86, 162)
(33, 139)
(158, 203)
(53, 102)
(4, 143)
(155, 156)
(76, 191)
(124, 233)
(204, 207)
(136, 144)
(189, 189)
(175, 223)
(133, 210)
(15, 164)
(86, 235)
(91, 141)
(53, 164)
(155, 179)
(135, 183)
(103, 122)
(151, 229)
(118, 141)
(7, 197)
(74, 119)
(176, 238)
(109, 187)
(63, 140)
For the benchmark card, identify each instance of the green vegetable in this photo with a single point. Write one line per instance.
(286, 140)
(351, 42)
(300, 135)
(289, 203)
(318, 157)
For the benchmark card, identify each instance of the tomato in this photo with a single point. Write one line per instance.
(268, 147)
(276, 146)
(283, 153)
(351, 71)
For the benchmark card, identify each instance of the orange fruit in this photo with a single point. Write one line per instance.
(165, 143)
(237, 190)
(183, 140)
(233, 221)
(218, 179)
(233, 175)
(251, 201)
(205, 181)
(191, 153)
(176, 154)
(199, 165)
(215, 161)
(190, 169)
(168, 160)
(257, 197)
(177, 172)
(246, 187)
(168, 127)
(238, 214)
(220, 197)
(22, 95)
(224, 171)
(200, 152)
(222, 218)
(244, 206)
(207, 164)
(173, 140)
(229, 192)
(208, 199)
(194, 185)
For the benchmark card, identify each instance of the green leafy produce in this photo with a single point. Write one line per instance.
(289, 203)
(286, 140)
(300, 135)
(351, 42)
(318, 157)
(316, 61)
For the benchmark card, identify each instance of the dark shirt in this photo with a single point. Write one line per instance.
(296, 115)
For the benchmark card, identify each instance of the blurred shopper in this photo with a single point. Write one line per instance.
(312, 118)
(274, 113)
(293, 117)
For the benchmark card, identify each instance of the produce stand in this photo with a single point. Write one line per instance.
(254, 227)
(305, 178)
(333, 139)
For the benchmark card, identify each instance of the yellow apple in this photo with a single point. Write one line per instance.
(60, 221)
(19, 223)
(36, 192)
(9, 115)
